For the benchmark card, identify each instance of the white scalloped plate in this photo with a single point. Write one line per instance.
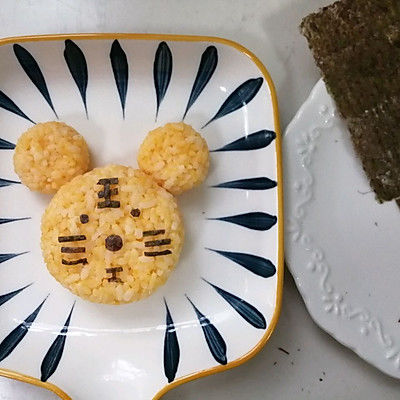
(141, 350)
(342, 247)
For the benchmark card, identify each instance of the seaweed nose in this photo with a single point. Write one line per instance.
(114, 243)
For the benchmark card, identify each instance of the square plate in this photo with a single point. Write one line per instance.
(233, 222)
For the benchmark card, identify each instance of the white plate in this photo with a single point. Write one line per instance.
(126, 352)
(342, 247)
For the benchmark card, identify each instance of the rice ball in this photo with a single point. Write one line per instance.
(176, 156)
(112, 235)
(50, 154)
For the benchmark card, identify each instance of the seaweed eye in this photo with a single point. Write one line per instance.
(84, 218)
(135, 212)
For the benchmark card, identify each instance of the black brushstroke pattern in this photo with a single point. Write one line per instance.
(255, 264)
(7, 182)
(9, 256)
(171, 348)
(8, 220)
(215, 341)
(5, 145)
(244, 309)
(14, 337)
(208, 64)
(8, 296)
(119, 63)
(262, 183)
(238, 98)
(32, 69)
(9, 105)
(77, 65)
(254, 141)
(53, 356)
(162, 71)
(258, 221)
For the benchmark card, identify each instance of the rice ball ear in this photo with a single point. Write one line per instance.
(176, 156)
(49, 155)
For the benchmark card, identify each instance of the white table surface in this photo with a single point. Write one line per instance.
(317, 367)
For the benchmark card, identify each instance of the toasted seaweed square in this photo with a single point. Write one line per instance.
(356, 45)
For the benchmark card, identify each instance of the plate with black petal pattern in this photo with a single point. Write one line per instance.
(221, 303)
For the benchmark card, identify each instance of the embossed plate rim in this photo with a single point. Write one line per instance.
(333, 301)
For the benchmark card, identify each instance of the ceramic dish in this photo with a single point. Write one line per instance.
(222, 302)
(341, 245)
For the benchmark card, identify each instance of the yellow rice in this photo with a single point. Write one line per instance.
(141, 274)
(49, 155)
(176, 156)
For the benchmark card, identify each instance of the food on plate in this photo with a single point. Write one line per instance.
(356, 44)
(50, 154)
(112, 235)
(176, 156)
